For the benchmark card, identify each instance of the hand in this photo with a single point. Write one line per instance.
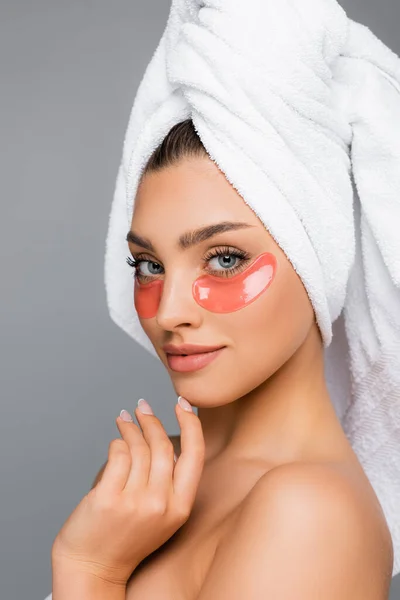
(142, 499)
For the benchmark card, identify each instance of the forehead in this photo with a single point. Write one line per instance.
(190, 193)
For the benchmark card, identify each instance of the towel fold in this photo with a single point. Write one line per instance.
(299, 106)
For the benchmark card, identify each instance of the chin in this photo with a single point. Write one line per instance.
(210, 395)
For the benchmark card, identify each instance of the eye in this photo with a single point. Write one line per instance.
(138, 272)
(226, 261)
(148, 267)
(231, 261)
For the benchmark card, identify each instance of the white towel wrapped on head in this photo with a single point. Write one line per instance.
(299, 106)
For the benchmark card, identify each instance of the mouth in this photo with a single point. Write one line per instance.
(184, 363)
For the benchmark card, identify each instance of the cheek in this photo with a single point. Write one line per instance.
(225, 295)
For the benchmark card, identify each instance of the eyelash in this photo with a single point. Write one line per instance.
(223, 251)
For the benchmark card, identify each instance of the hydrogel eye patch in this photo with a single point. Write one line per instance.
(212, 292)
(228, 294)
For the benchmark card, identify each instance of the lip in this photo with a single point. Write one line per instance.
(192, 362)
(189, 348)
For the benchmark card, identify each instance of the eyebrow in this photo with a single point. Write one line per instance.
(190, 238)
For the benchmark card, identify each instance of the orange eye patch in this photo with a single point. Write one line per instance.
(214, 293)
(224, 295)
(147, 298)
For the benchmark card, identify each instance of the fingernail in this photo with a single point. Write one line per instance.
(125, 416)
(144, 407)
(184, 404)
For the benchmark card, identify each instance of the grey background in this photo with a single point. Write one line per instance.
(69, 72)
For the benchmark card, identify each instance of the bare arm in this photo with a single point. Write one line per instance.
(70, 582)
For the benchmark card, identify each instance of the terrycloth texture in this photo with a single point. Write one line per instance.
(299, 106)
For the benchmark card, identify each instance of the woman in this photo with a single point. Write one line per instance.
(277, 461)
(279, 473)
(268, 497)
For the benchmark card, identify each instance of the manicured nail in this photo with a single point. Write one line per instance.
(184, 404)
(125, 416)
(144, 407)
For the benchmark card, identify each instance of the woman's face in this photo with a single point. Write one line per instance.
(196, 296)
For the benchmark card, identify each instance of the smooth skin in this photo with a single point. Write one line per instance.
(308, 524)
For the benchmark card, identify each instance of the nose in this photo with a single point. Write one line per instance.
(177, 306)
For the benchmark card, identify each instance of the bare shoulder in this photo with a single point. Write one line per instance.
(304, 531)
(176, 441)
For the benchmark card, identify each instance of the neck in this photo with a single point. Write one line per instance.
(289, 418)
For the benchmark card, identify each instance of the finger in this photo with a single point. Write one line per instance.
(189, 466)
(117, 468)
(140, 453)
(161, 451)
